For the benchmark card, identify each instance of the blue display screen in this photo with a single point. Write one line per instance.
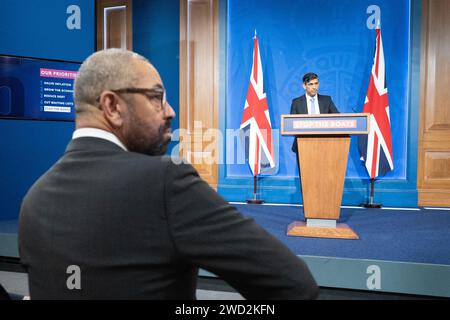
(37, 89)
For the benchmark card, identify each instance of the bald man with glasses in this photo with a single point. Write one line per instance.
(115, 219)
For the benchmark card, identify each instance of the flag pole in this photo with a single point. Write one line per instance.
(256, 115)
(378, 107)
(371, 204)
(254, 200)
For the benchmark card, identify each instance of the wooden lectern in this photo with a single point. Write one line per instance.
(323, 143)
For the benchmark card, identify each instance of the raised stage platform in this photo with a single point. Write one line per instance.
(399, 250)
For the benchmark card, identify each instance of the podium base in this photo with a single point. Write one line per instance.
(342, 231)
(255, 201)
(371, 205)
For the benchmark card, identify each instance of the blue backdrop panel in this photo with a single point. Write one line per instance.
(39, 29)
(27, 150)
(330, 38)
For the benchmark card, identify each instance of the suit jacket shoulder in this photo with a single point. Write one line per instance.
(298, 99)
(298, 105)
(324, 99)
(146, 221)
(326, 104)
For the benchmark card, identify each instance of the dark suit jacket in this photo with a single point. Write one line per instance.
(299, 106)
(140, 227)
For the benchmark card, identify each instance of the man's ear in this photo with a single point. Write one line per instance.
(112, 108)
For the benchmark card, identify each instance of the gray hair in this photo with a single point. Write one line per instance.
(108, 69)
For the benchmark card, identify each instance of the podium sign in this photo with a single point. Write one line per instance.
(323, 143)
(325, 124)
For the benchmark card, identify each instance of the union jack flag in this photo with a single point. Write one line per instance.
(376, 147)
(256, 116)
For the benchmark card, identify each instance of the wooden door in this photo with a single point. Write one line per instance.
(199, 86)
(114, 24)
(433, 176)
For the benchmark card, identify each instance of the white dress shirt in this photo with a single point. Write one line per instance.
(98, 133)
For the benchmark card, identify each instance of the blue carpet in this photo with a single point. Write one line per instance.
(408, 236)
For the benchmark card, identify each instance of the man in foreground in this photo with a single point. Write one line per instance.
(114, 219)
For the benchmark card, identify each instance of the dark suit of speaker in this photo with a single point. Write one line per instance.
(136, 226)
(299, 106)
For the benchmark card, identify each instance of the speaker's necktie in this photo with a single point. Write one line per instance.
(314, 107)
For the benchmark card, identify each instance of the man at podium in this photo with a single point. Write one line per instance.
(322, 140)
(311, 102)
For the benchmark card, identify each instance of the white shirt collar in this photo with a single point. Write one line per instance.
(98, 133)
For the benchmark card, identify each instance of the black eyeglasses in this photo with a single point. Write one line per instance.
(150, 93)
